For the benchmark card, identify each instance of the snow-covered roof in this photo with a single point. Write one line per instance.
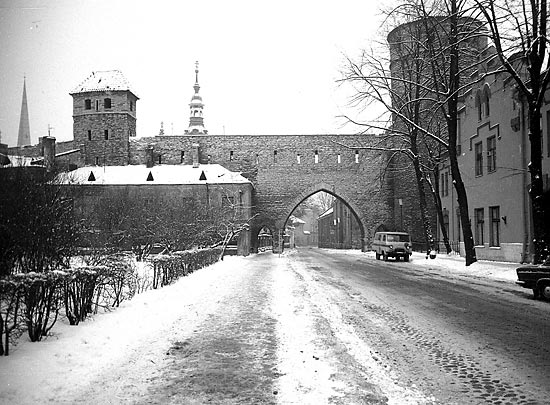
(160, 174)
(20, 161)
(296, 220)
(103, 81)
(326, 213)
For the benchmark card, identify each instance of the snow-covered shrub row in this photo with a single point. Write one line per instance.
(33, 301)
(168, 268)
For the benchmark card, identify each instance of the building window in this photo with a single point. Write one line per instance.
(106, 133)
(491, 154)
(97, 105)
(445, 184)
(131, 105)
(356, 156)
(446, 221)
(88, 104)
(107, 103)
(478, 214)
(494, 229)
(89, 134)
(275, 156)
(97, 161)
(316, 156)
(230, 155)
(458, 222)
(182, 157)
(339, 159)
(257, 159)
(298, 158)
(479, 106)
(160, 159)
(479, 159)
(486, 98)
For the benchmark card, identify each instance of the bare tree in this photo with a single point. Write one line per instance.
(518, 29)
(419, 86)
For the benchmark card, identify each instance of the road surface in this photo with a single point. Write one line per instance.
(313, 326)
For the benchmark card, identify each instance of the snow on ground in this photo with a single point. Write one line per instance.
(36, 372)
(454, 265)
(106, 338)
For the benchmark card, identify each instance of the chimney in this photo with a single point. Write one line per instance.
(48, 145)
(195, 155)
(149, 156)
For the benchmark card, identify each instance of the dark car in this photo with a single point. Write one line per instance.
(537, 278)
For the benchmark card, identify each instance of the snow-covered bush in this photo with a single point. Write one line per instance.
(79, 287)
(42, 298)
(10, 305)
(168, 268)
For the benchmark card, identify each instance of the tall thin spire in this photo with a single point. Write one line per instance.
(24, 137)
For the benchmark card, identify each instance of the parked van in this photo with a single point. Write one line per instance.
(392, 244)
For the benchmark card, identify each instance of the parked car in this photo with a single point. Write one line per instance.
(392, 244)
(536, 277)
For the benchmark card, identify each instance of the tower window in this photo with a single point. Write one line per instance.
(230, 155)
(356, 156)
(131, 105)
(274, 156)
(316, 156)
(182, 158)
(298, 158)
(97, 105)
(339, 159)
(97, 161)
(88, 104)
(89, 134)
(160, 159)
(107, 103)
(106, 133)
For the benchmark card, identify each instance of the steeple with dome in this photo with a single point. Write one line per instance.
(196, 120)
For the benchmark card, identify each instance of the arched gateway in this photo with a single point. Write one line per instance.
(287, 169)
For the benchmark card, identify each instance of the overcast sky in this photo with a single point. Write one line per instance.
(265, 67)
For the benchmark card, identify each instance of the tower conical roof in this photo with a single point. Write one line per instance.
(24, 136)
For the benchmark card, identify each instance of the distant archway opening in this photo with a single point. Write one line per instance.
(325, 220)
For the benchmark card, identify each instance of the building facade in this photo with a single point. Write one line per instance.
(494, 158)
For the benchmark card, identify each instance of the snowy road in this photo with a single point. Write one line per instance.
(307, 327)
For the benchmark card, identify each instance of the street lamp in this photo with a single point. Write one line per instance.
(401, 207)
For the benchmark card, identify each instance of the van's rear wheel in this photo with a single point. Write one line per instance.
(377, 256)
(385, 256)
(406, 258)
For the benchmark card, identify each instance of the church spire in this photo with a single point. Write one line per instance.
(24, 137)
(196, 120)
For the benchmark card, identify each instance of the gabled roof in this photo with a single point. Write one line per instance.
(161, 174)
(106, 80)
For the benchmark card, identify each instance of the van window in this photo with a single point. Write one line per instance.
(398, 238)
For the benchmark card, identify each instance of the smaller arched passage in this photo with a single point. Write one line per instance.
(259, 226)
(334, 191)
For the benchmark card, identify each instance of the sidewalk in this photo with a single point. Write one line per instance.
(455, 265)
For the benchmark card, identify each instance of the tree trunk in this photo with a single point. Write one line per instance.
(540, 231)
(434, 188)
(422, 199)
(452, 120)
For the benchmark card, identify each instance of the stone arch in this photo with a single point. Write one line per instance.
(336, 191)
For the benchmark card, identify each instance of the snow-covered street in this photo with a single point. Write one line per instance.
(308, 327)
